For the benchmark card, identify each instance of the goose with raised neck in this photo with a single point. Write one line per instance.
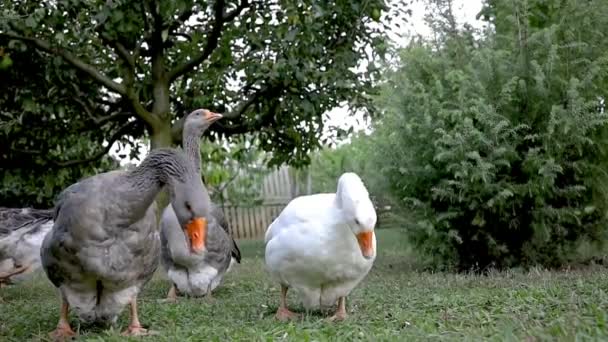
(193, 271)
(104, 245)
(191, 137)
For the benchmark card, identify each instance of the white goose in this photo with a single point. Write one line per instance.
(322, 246)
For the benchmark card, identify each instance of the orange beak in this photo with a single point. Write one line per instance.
(212, 117)
(196, 230)
(365, 240)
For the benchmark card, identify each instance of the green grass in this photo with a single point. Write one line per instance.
(394, 302)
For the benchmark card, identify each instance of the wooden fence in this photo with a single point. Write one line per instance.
(251, 222)
(279, 188)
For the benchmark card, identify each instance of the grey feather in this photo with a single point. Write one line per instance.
(104, 246)
(218, 214)
(13, 219)
(21, 233)
(185, 268)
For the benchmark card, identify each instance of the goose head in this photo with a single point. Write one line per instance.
(199, 120)
(358, 211)
(190, 201)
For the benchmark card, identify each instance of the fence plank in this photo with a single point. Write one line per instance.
(248, 222)
(251, 222)
(241, 223)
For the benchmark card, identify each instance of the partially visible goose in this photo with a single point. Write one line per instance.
(21, 233)
(322, 246)
(104, 245)
(197, 266)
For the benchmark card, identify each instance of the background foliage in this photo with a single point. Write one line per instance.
(234, 173)
(488, 145)
(493, 143)
(35, 167)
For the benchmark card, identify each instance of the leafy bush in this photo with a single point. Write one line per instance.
(328, 164)
(497, 145)
(234, 173)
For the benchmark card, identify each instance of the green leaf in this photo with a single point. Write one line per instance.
(376, 14)
(6, 62)
(291, 35)
(30, 22)
(59, 37)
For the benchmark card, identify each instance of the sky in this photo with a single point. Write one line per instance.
(465, 11)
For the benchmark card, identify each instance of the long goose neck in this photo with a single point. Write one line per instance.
(192, 147)
(154, 172)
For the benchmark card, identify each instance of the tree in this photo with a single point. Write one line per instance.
(37, 158)
(133, 69)
(293, 60)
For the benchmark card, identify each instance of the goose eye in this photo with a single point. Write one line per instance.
(188, 206)
(357, 222)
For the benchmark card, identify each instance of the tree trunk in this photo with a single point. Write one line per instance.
(161, 136)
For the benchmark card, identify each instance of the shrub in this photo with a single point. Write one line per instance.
(499, 153)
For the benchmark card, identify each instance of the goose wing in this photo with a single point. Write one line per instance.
(218, 213)
(14, 219)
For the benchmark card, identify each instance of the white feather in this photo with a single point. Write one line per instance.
(195, 282)
(312, 248)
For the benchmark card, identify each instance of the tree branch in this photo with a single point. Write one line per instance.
(183, 35)
(104, 102)
(228, 17)
(228, 182)
(245, 127)
(30, 152)
(158, 20)
(144, 38)
(144, 16)
(120, 50)
(91, 105)
(71, 59)
(212, 38)
(185, 15)
(100, 120)
(240, 109)
(142, 112)
(117, 135)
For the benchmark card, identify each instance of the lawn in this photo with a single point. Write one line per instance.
(395, 302)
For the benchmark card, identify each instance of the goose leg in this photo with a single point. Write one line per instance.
(340, 314)
(63, 330)
(209, 296)
(5, 277)
(172, 295)
(135, 328)
(283, 313)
